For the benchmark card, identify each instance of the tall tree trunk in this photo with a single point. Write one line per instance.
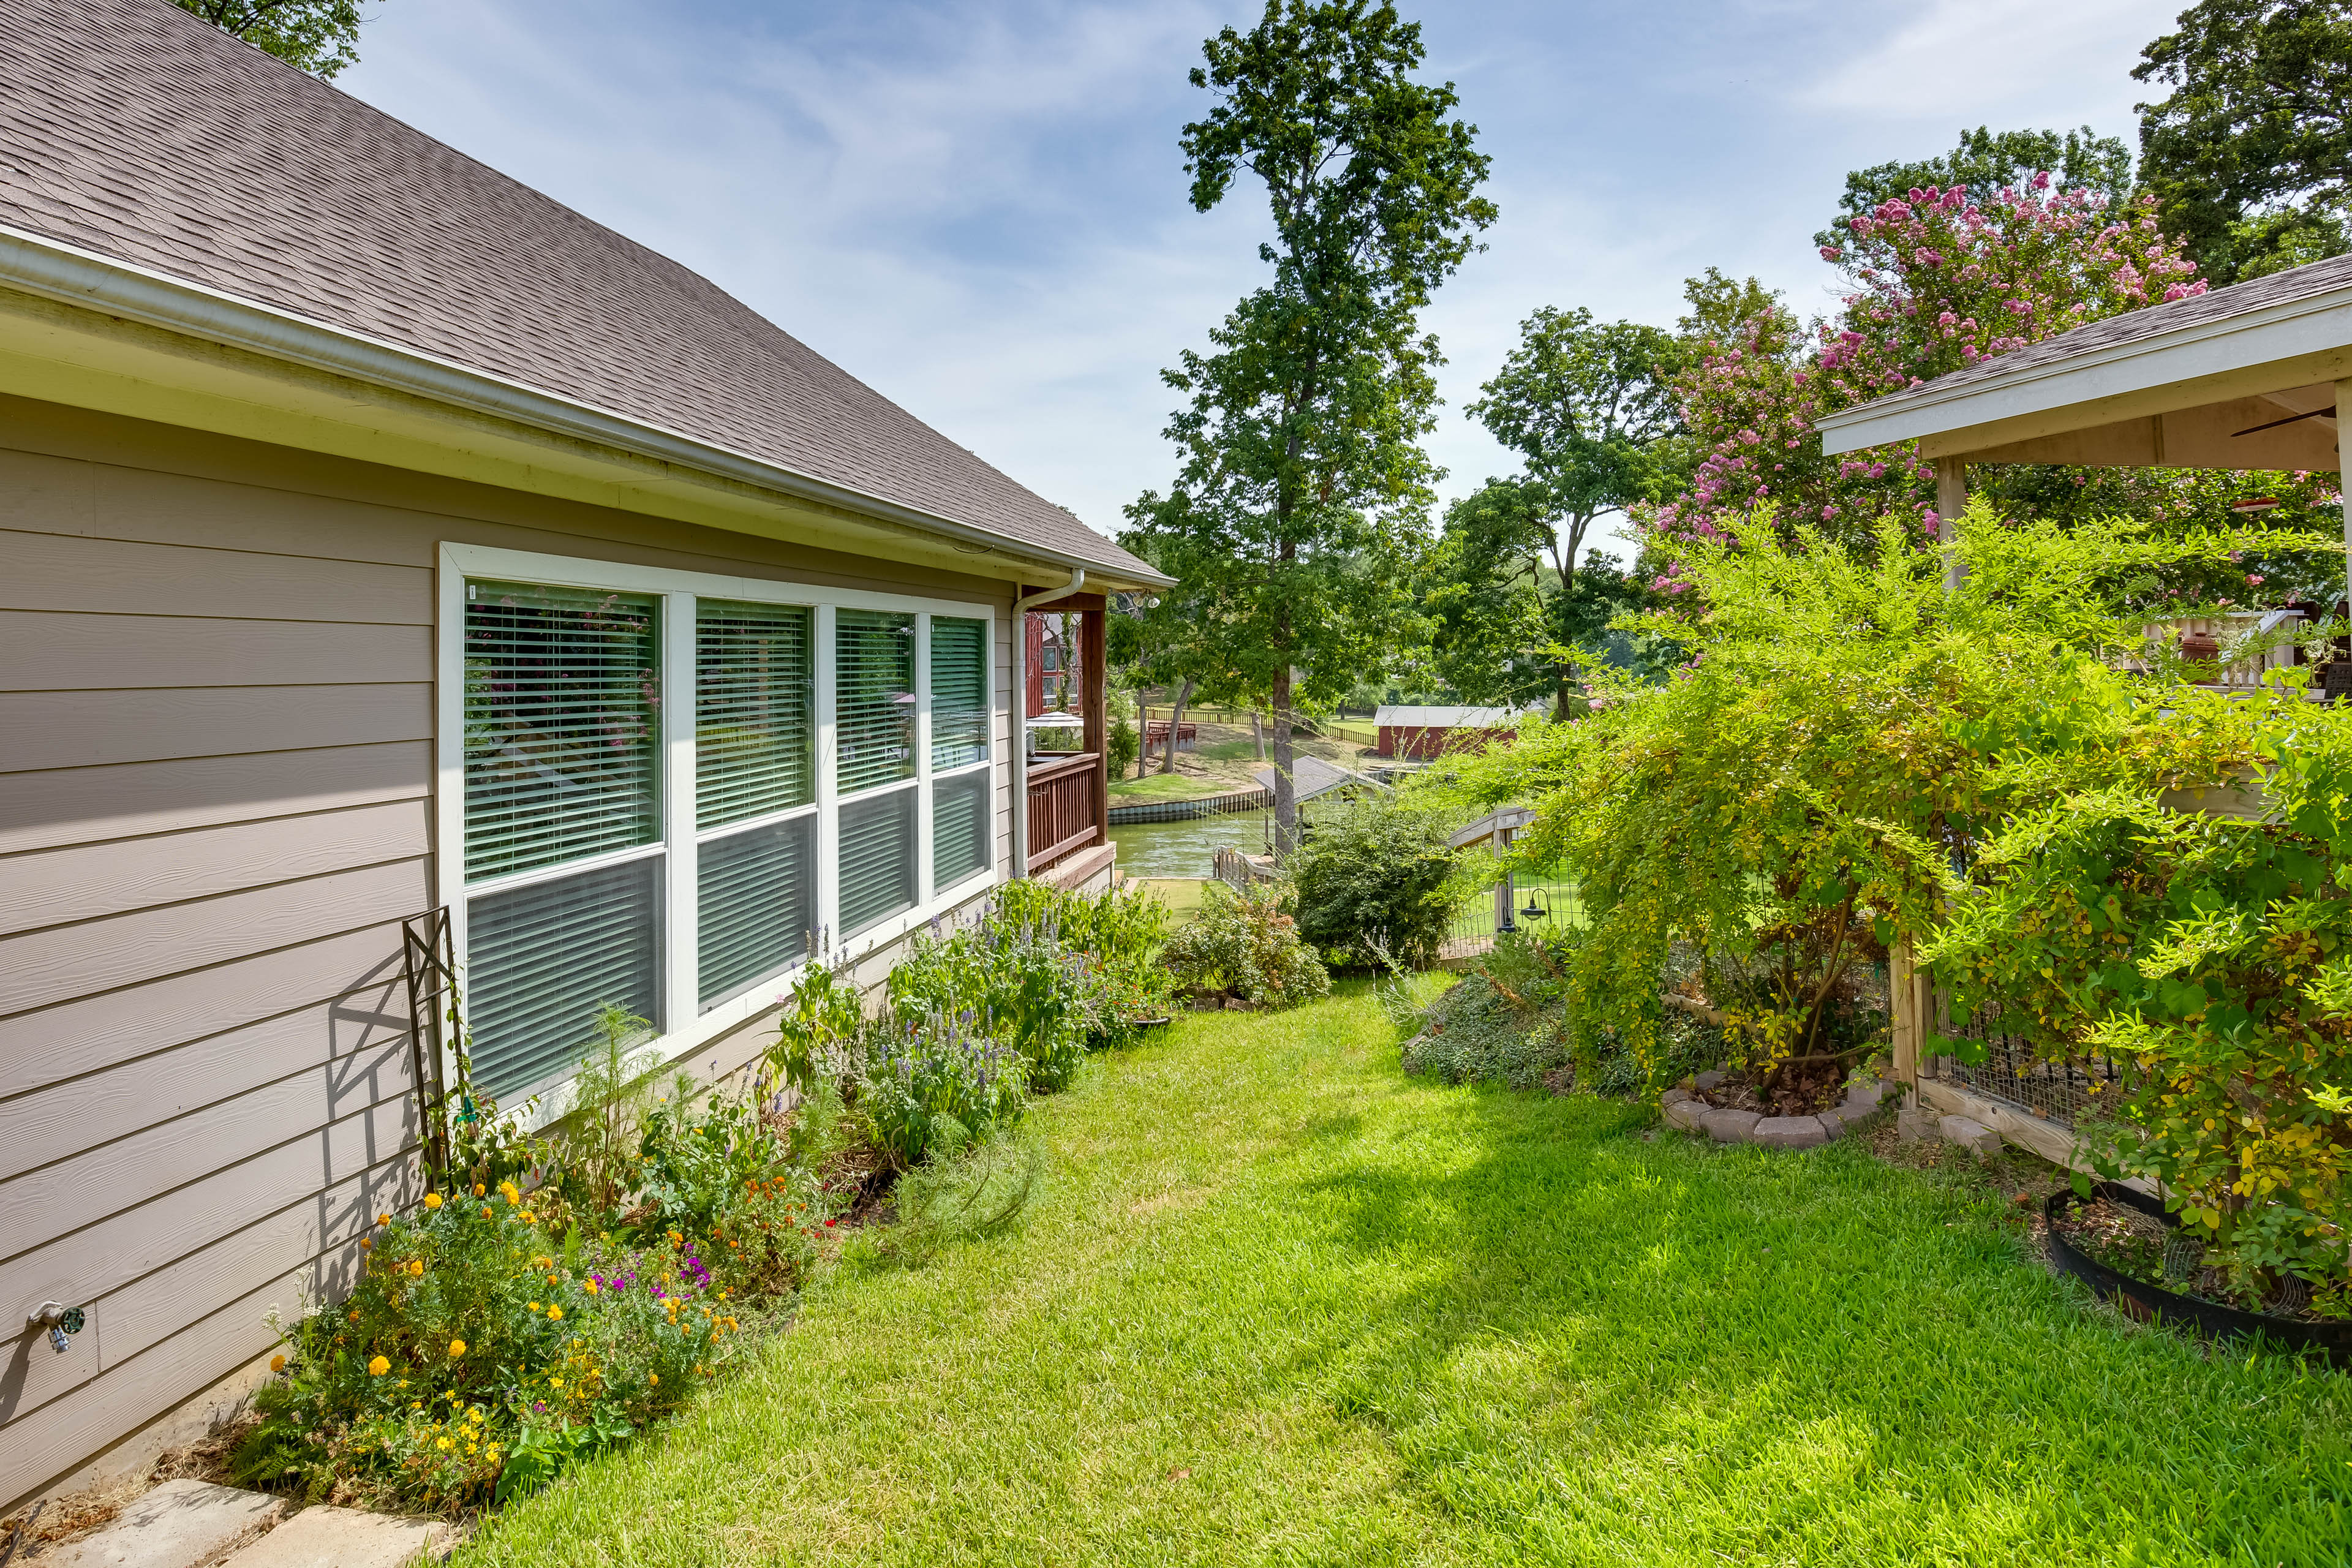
(1286, 799)
(1175, 723)
(1142, 734)
(1257, 732)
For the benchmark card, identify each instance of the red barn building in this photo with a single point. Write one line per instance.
(1419, 733)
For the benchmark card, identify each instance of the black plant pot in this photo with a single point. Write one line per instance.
(2154, 1303)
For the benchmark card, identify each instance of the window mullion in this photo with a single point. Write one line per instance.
(680, 915)
(828, 792)
(924, 882)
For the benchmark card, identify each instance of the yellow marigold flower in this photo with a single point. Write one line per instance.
(478, 1189)
(277, 1363)
(416, 1266)
(456, 1347)
(591, 1287)
(432, 1200)
(654, 1378)
(532, 1305)
(508, 1190)
(555, 1314)
(528, 1217)
(379, 1366)
(441, 1441)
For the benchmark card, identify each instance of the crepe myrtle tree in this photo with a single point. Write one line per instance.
(1302, 491)
(1937, 282)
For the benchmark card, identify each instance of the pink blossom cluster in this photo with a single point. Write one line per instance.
(1940, 282)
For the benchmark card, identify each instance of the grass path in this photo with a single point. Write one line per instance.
(1279, 1303)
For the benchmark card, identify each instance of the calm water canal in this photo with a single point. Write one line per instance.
(1185, 848)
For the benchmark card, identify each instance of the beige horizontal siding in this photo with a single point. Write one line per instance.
(216, 668)
(91, 880)
(94, 729)
(138, 1023)
(87, 805)
(54, 652)
(116, 577)
(82, 1112)
(43, 968)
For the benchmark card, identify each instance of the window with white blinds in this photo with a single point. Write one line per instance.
(958, 828)
(673, 793)
(757, 909)
(873, 698)
(562, 725)
(878, 859)
(754, 710)
(959, 691)
(541, 958)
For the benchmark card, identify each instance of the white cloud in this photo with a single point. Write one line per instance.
(2067, 62)
(980, 209)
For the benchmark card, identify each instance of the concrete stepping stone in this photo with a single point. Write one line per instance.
(179, 1524)
(347, 1538)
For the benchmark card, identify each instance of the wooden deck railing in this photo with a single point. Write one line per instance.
(1062, 814)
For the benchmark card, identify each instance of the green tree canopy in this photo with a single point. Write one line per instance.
(1302, 491)
(321, 36)
(2252, 152)
(1985, 164)
(1584, 403)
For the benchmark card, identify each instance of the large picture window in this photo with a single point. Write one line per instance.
(668, 789)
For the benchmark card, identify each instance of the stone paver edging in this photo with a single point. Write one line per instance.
(1688, 1111)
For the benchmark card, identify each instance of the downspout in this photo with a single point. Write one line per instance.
(1021, 608)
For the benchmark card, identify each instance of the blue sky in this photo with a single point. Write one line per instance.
(979, 208)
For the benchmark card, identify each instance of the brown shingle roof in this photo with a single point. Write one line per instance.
(132, 129)
(2116, 331)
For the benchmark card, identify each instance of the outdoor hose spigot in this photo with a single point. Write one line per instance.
(61, 1320)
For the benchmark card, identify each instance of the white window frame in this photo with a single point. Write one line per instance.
(965, 886)
(683, 1026)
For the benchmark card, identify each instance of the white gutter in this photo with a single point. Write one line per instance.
(37, 265)
(1021, 608)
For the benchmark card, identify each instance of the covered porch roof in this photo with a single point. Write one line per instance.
(2242, 377)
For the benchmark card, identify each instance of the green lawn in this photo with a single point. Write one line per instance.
(1279, 1303)
(1168, 786)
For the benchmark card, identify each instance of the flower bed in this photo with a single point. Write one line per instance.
(556, 1293)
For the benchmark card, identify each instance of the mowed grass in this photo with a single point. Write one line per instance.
(1277, 1302)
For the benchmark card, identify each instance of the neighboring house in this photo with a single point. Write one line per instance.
(1419, 733)
(1056, 661)
(377, 536)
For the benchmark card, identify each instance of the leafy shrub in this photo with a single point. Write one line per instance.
(1245, 944)
(1791, 800)
(931, 1083)
(1013, 976)
(2212, 957)
(1377, 870)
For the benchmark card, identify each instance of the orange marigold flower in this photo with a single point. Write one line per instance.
(277, 1363)
(378, 1366)
(456, 1347)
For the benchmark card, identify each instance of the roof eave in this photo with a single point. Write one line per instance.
(49, 268)
(2285, 333)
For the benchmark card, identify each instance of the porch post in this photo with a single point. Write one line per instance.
(2344, 475)
(1951, 500)
(1094, 693)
